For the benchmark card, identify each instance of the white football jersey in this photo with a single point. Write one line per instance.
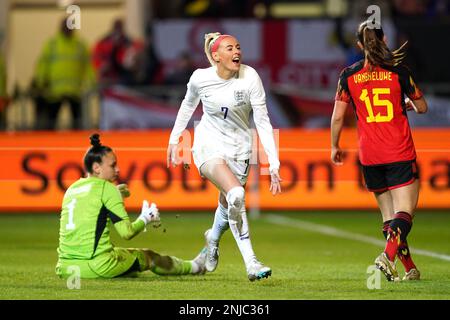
(224, 129)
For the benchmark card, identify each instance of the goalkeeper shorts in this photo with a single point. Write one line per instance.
(117, 262)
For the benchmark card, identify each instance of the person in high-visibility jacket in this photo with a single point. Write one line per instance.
(63, 73)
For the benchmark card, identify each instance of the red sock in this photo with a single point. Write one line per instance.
(405, 257)
(392, 243)
(397, 232)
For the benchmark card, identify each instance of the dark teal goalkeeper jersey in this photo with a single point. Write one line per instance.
(89, 206)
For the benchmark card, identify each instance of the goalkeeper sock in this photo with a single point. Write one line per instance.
(404, 256)
(397, 232)
(169, 265)
(220, 224)
(195, 268)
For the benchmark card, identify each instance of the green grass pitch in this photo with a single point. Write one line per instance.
(306, 264)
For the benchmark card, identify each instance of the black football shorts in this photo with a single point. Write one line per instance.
(380, 178)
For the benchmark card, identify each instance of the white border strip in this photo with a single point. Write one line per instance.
(331, 231)
(79, 149)
(287, 150)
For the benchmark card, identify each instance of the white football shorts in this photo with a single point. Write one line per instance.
(240, 168)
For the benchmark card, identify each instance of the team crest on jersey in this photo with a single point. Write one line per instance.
(239, 96)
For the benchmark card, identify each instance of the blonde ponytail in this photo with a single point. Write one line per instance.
(210, 38)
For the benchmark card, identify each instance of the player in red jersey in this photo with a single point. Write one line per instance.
(376, 87)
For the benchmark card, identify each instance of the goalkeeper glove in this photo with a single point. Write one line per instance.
(150, 214)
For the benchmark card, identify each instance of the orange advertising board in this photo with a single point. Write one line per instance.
(36, 168)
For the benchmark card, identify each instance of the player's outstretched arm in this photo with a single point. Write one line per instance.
(337, 123)
(172, 155)
(149, 215)
(275, 182)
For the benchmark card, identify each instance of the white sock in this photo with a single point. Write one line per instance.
(195, 267)
(241, 234)
(220, 224)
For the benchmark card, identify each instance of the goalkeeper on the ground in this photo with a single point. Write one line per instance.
(90, 207)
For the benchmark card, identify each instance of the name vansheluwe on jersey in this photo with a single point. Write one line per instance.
(377, 94)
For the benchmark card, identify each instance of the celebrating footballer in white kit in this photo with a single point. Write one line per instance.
(222, 146)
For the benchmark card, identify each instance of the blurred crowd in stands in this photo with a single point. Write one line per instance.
(258, 8)
(67, 68)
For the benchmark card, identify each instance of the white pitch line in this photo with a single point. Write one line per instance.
(334, 232)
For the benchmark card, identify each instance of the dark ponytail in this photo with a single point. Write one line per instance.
(95, 153)
(376, 51)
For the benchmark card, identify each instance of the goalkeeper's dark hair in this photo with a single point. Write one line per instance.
(95, 153)
(370, 35)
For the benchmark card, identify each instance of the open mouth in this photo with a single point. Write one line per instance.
(236, 60)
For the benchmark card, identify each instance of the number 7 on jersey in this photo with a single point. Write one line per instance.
(225, 111)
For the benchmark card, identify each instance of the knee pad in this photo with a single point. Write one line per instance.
(235, 198)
